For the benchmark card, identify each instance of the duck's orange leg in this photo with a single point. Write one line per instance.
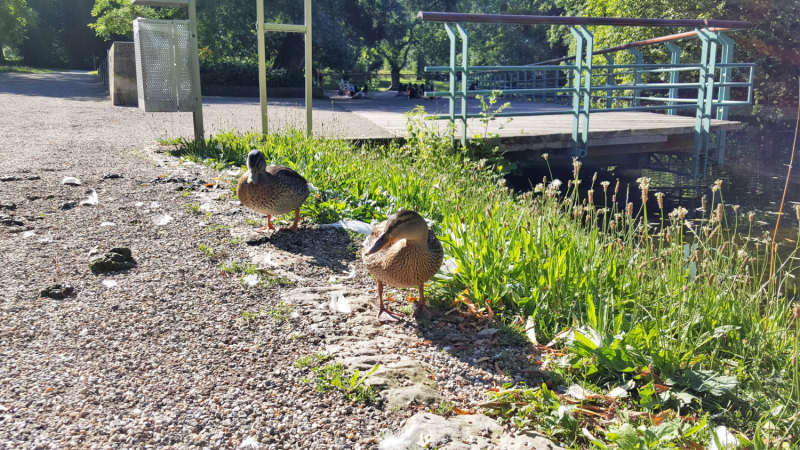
(382, 309)
(422, 311)
(269, 226)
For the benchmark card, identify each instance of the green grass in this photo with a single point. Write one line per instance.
(265, 278)
(334, 377)
(690, 309)
(24, 69)
(280, 313)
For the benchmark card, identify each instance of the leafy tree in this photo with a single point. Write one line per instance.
(15, 19)
(115, 17)
(60, 38)
(773, 42)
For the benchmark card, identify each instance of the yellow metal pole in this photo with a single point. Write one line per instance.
(262, 63)
(309, 88)
(197, 114)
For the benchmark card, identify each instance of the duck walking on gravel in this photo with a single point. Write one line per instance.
(272, 190)
(403, 252)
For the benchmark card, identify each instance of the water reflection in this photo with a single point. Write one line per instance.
(752, 176)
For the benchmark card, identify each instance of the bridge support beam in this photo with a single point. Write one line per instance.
(674, 76)
(584, 46)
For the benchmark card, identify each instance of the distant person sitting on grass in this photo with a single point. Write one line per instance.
(402, 91)
(366, 89)
(412, 92)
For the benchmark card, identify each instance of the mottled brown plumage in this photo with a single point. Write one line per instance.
(273, 190)
(402, 252)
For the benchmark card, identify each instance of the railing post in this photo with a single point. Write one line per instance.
(705, 100)
(724, 94)
(637, 75)
(464, 82)
(610, 80)
(674, 75)
(576, 88)
(583, 63)
(452, 98)
(587, 90)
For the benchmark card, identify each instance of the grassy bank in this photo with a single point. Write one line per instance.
(680, 321)
(24, 69)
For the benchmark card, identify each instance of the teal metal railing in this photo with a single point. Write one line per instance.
(575, 82)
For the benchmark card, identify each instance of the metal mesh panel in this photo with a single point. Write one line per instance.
(163, 64)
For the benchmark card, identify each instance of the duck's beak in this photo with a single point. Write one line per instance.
(382, 241)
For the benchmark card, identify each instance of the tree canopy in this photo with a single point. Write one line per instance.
(15, 18)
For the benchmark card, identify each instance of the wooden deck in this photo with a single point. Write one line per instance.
(610, 133)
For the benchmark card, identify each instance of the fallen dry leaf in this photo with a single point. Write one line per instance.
(462, 412)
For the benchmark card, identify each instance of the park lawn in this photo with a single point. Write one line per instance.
(25, 69)
(665, 332)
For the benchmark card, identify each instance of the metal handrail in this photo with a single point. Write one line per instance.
(644, 43)
(580, 76)
(580, 21)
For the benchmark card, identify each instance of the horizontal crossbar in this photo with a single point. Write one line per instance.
(566, 20)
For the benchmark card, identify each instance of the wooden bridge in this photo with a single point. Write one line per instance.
(615, 138)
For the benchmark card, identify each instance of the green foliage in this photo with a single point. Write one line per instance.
(115, 17)
(334, 377)
(244, 72)
(23, 69)
(16, 18)
(280, 313)
(773, 41)
(191, 208)
(313, 360)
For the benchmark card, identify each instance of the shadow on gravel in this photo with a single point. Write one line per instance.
(74, 85)
(331, 248)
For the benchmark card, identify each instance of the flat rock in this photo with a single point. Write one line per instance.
(470, 432)
(10, 220)
(8, 178)
(8, 205)
(119, 258)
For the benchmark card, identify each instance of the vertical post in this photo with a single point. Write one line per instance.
(262, 66)
(724, 94)
(705, 98)
(674, 76)
(637, 75)
(464, 85)
(576, 90)
(197, 114)
(587, 90)
(610, 80)
(309, 69)
(452, 98)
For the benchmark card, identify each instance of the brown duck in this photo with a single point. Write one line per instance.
(402, 252)
(273, 190)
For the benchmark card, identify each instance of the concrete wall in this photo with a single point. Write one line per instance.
(122, 74)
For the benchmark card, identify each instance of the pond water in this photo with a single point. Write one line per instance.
(753, 176)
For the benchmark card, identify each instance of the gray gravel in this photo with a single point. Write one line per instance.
(159, 355)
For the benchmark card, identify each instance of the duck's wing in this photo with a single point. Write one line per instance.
(285, 172)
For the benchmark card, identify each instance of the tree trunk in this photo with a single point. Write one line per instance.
(291, 55)
(395, 78)
(2, 56)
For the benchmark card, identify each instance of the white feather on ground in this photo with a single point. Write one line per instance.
(727, 439)
(92, 200)
(408, 439)
(251, 443)
(340, 304)
(352, 225)
(71, 181)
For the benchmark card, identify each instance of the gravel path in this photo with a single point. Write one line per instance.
(160, 355)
